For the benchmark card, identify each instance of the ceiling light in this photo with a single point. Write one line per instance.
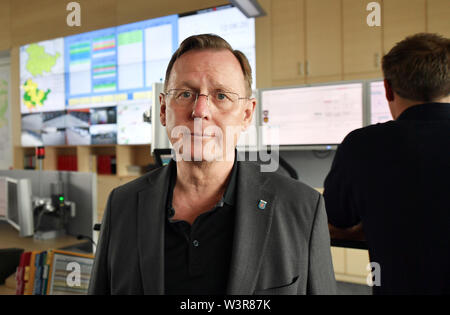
(250, 8)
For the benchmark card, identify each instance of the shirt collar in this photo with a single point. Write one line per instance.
(228, 197)
(230, 192)
(428, 111)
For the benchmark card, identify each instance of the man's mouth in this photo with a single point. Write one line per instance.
(202, 135)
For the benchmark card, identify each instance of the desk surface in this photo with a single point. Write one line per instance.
(9, 238)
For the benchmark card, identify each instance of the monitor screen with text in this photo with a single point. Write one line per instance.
(314, 115)
(379, 107)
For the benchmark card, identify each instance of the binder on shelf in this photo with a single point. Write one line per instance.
(45, 272)
(29, 273)
(40, 262)
(67, 163)
(21, 272)
(53, 272)
(62, 265)
(106, 164)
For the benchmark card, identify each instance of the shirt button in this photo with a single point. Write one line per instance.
(195, 243)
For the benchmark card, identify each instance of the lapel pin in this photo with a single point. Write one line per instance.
(262, 204)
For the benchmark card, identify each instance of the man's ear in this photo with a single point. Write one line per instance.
(248, 113)
(389, 91)
(162, 112)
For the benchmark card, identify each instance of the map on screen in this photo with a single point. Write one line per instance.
(42, 76)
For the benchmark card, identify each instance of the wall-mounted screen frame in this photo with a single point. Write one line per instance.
(310, 88)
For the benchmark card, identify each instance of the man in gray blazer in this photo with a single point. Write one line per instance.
(208, 223)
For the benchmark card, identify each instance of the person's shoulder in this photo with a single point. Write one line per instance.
(366, 135)
(283, 186)
(142, 182)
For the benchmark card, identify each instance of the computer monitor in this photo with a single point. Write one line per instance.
(308, 117)
(16, 204)
(163, 156)
(379, 107)
(131, 128)
(9, 210)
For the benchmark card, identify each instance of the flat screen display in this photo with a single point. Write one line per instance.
(314, 115)
(42, 76)
(230, 24)
(131, 129)
(120, 63)
(379, 107)
(13, 208)
(83, 80)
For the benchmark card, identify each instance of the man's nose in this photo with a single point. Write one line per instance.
(201, 107)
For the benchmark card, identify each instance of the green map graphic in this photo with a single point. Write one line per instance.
(3, 102)
(33, 96)
(39, 61)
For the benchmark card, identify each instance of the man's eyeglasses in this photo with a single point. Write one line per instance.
(222, 100)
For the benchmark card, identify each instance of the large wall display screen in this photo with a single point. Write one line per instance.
(69, 85)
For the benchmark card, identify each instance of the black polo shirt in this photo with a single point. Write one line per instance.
(197, 258)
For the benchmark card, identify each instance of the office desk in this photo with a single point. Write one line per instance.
(9, 238)
(349, 253)
(348, 238)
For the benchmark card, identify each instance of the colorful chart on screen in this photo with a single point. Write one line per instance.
(42, 76)
(117, 64)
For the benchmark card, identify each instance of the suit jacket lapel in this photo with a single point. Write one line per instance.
(252, 226)
(150, 231)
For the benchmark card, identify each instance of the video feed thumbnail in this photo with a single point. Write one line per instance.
(103, 134)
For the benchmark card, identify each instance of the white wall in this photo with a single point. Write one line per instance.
(6, 149)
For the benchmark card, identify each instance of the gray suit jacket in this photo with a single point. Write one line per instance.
(282, 249)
